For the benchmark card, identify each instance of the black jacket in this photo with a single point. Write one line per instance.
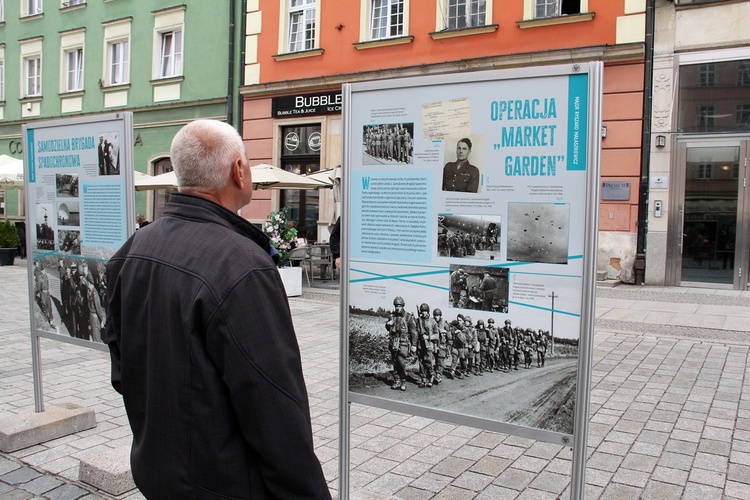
(205, 355)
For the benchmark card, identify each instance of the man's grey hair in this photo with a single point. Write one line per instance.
(202, 154)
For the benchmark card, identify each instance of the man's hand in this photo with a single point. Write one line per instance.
(337, 263)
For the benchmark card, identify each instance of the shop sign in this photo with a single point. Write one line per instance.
(615, 190)
(306, 104)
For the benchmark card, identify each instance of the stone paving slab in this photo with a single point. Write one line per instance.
(668, 419)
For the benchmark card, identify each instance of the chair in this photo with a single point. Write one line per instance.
(320, 255)
(301, 256)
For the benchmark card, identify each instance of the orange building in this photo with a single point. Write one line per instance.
(298, 53)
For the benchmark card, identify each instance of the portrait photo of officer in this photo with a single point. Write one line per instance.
(461, 175)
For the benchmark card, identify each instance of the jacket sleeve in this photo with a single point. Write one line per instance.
(251, 341)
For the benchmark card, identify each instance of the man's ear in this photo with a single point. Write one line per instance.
(238, 175)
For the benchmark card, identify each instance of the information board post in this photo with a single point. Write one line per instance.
(470, 200)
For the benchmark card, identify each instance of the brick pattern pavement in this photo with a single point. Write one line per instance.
(669, 411)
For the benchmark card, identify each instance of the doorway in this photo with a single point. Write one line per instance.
(710, 215)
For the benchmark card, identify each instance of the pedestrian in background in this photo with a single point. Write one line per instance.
(202, 343)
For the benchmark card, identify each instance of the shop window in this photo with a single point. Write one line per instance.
(300, 154)
(714, 96)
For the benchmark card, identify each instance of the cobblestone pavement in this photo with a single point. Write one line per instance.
(669, 409)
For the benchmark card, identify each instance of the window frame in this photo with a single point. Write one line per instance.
(115, 32)
(707, 75)
(389, 27)
(28, 78)
(37, 6)
(121, 67)
(529, 10)
(308, 12)
(76, 56)
(285, 30)
(2, 79)
(167, 23)
(170, 54)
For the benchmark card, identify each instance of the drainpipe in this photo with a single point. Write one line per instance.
(648, 77)
(241, 104)
(230, 76)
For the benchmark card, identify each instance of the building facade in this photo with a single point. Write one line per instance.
(699, 205)
(298, 53)
(167, 63)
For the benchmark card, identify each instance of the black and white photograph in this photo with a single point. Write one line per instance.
(45, 233)
(479, 288)
(70, 296)
(538, 232)
(108, 151)
(66, 185)
(69, 241)
(69, 213)
(469, 236)
(388, 144)
(462, 171)
(472, 362)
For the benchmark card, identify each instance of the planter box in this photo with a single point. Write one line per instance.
(292, 278)
(8, 257)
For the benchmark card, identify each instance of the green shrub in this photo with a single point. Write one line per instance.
(8, 235)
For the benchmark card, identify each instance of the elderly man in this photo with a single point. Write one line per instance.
(202, 342)
(460, 175)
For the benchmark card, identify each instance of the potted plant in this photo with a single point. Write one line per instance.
(282, 235)
(9, 242)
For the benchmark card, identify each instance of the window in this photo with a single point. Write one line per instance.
(116, 66)
(2, 81)
(2, 11)
(118, 62)
(552, 8)
(743, 116)
(169, 28)
(743, 73)
(465, 14)
(171, 54)
(32, 76)
(706, 117)
(707, 75)
(386, 18)
(73, 2)
(301, 25)
(74, 70)
(704, 171)
(32, 7)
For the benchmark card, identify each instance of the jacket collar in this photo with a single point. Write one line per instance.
(196, 206)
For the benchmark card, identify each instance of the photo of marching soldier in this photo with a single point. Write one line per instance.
(479, 288)
(469, 236)
(538, 232)
(45, 234)
(70, 296)
(475, 363)
(388, 144)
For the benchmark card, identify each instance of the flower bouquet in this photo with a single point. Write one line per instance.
(281, 232)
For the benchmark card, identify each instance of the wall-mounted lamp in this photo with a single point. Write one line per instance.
(661, 141)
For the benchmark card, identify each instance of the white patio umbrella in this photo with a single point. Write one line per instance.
(145, 182)
(11, 171)
(325, 176)
(269, 177)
